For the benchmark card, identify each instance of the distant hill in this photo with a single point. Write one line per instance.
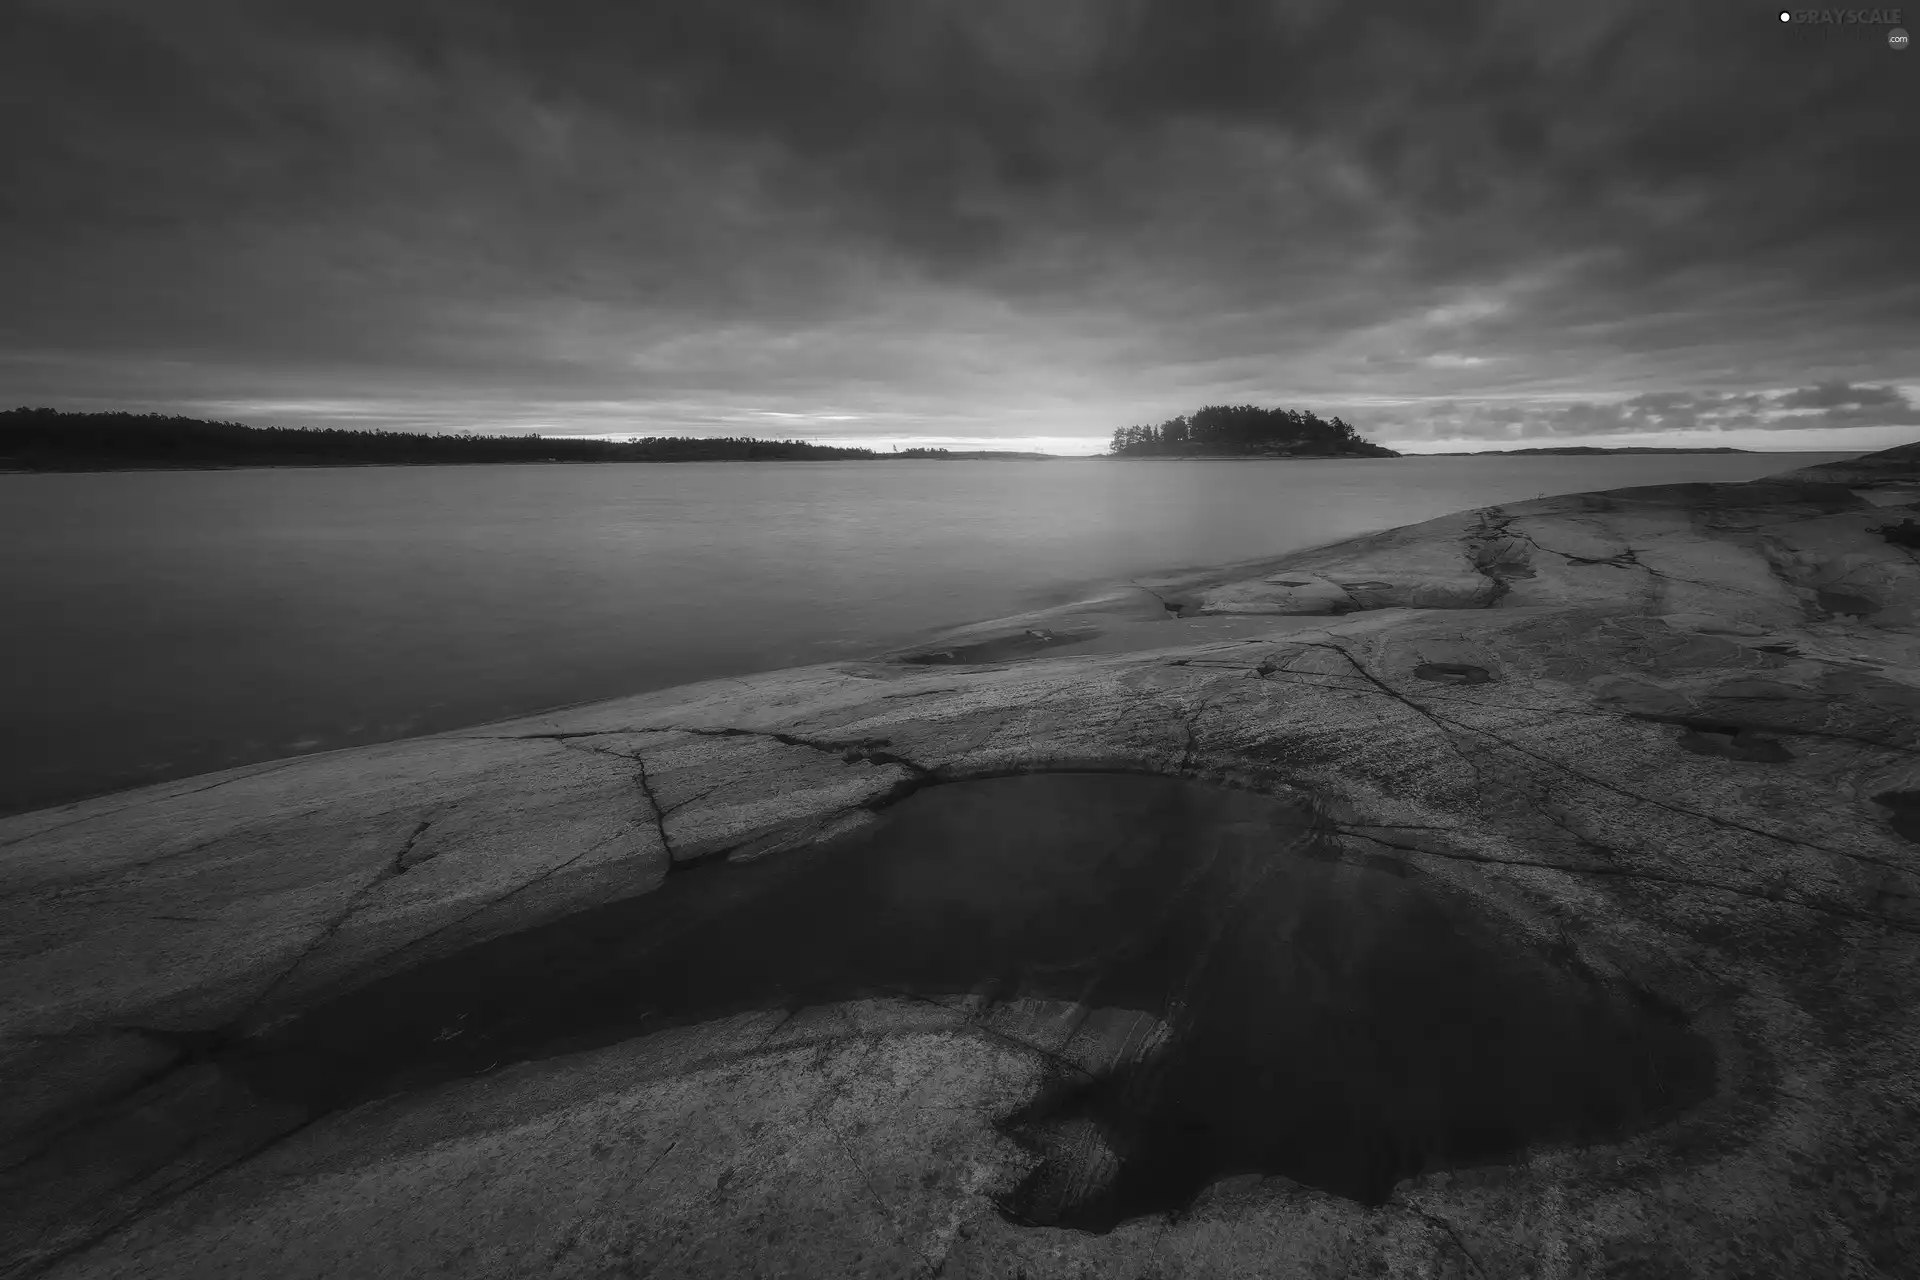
(1582, 448)
(1246, 431)
(49, 440)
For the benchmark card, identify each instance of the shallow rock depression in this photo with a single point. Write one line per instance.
(1345, 1026)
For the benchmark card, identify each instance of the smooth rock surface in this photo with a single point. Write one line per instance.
(1530, 892)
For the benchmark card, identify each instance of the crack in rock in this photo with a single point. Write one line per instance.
(1453, 1235)
(1446, 724)
(400, 864)
(381, 875)
(1490, 550)
(853, 751)
(1173, 607)
(645, 783)
(41, 1263)
(1776, 897)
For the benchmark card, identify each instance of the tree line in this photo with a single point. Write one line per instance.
(1246, 429)
(52, 440)
(39, 439)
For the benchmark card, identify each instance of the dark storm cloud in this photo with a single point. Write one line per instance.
(1026, 217)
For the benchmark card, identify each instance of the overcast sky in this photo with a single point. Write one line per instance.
(1025, 222)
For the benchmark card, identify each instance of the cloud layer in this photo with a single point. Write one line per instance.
(1811, 416)
(979, 220)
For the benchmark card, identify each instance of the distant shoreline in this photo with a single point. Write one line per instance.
(971, 456)
(326, 464)
(1580, 450)
(41, 441)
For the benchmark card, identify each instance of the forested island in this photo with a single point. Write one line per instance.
(1246, 431)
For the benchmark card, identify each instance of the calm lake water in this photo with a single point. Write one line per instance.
(161, 624)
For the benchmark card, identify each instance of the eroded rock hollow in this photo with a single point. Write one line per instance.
(1345, 1026)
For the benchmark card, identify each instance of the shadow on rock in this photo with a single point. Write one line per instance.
(1343, 1026)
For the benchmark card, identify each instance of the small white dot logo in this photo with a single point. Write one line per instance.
(1897, 38)
(1786, 16)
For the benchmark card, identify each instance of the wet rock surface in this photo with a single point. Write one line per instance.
(1124, 941)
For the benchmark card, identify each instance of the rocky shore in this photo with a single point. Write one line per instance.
(1529, 892)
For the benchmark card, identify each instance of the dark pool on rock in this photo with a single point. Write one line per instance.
(1904, 812)
(1453, 673)
(1734, 742)
(1343, 1026)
